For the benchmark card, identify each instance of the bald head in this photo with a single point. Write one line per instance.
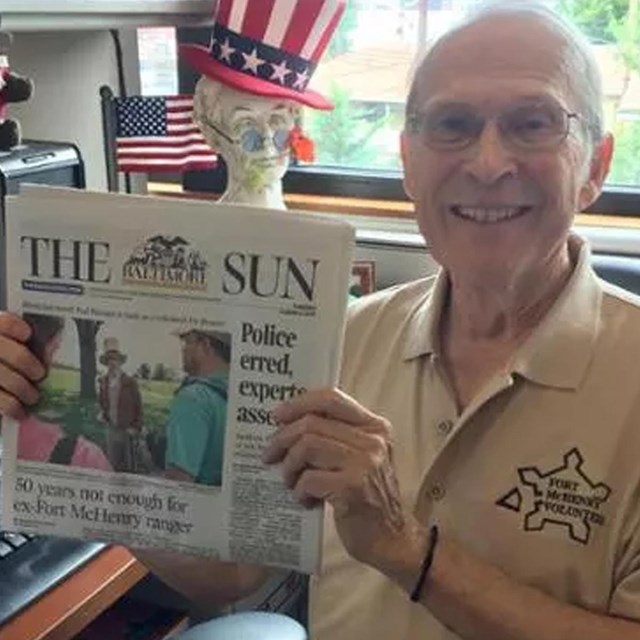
(523, 39)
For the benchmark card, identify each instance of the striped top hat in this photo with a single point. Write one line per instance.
(268, 47)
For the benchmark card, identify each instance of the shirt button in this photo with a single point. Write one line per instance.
(437, 492)
(445, 427)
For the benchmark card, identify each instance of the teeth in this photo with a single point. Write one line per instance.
(488, 214)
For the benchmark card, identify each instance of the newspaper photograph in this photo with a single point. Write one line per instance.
(169, 330)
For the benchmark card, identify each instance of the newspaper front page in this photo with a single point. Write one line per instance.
(170, 329)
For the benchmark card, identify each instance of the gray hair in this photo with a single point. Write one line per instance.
(586, 82)
(206, 99)
(208, 102)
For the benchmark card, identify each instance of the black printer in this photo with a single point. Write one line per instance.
(51, 163)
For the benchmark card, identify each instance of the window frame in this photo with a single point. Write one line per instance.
(384, 185)
(347, 182)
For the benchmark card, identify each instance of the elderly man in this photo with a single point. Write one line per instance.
(481, 477)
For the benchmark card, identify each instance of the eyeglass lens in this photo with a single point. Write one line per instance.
(530, 125)
(253, 140)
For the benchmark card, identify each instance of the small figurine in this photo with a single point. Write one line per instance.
(13, 88)
(255, 75)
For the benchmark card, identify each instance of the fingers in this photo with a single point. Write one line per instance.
(316, 452)
(317, 444)
(11, 406)
(327, 444)
(19, 368)
(310, 425)
(13, 326)
(15, 355)
(317, 485)
(331, 403)
(14, 333)
(18, 386)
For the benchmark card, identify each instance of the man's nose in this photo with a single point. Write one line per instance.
(490, 159)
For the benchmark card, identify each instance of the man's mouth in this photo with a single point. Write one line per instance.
(485, 215)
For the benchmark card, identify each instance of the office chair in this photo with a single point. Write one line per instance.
(251, 625)
(623, 271)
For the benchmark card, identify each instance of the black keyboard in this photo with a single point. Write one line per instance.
(31, 565)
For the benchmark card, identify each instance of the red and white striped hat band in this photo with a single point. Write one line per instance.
(269, 47)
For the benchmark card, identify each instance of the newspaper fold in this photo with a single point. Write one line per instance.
(170, 329)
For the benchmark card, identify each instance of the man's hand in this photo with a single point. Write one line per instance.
(20, 370)
(334, 449)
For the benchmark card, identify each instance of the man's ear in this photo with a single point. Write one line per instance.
(408, 177)
(598, 171)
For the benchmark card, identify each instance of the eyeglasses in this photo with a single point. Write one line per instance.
(253, 140)
(529, 126)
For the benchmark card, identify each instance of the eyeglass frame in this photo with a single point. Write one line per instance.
(417, 117)
(238, 141)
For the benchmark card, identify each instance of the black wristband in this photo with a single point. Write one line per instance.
(426, 564)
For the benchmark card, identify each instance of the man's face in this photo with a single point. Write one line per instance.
(113, 364)
(492, 208)
(192, 353)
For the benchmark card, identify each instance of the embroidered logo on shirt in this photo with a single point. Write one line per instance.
(562, 497)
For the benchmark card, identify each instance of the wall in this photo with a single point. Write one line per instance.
(68, 68)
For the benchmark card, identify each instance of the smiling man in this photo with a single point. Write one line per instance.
(486, 468)
(480, 462)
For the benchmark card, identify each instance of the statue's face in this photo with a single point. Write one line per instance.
(262, 130)
(252, 133)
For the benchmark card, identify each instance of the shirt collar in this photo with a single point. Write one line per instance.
(422, 332)
(559, 350)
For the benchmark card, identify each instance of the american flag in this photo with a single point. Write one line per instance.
(157, 133)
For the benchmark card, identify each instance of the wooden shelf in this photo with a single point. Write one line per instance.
(70, 606)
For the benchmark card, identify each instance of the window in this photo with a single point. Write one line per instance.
(613, 28)
(366, 71)
(367, 68)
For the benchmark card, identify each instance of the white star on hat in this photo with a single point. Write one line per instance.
(226, 51)
(301, 80)
(252, 61)
(279, 72)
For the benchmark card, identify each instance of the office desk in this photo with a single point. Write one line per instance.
(70, 606)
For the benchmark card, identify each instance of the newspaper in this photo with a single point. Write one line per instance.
(171, 328)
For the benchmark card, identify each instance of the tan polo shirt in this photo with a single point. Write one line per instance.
(539, 476)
